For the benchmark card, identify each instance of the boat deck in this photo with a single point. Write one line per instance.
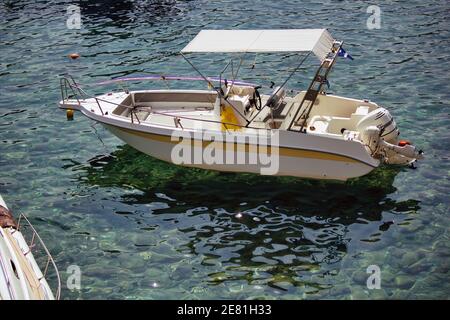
(198, 114)
(332, 116)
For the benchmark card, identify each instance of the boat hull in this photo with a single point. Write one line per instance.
(20, 275)
(290, 161)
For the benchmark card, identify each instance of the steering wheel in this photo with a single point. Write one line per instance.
(256, 99)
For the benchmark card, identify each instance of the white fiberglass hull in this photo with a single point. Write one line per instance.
(172, 113)
(292, 160)
(20, 276)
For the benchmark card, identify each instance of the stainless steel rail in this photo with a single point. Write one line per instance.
(22, 225)
(69, 83)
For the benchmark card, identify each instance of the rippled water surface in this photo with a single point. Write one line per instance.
(141, 228)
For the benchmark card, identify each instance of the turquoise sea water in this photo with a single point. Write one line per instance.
(139, 228)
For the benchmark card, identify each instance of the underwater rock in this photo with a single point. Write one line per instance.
(359, 294)
(360, 277)
(283, 285)
(430, 233)
(153, 273)
(341, 292)
(409, 258)
(199, 290)
(415, 226)
(404, 281)
(423, 253)
(163, 259)
(387, 278)
(90, 260)
(399, 294)
(442, 250)
(218, 277)
(379, 257)
(378, 294)
(102, 272)
(426, 288)
(418, 267)
(396, 252)
(236, 288)
(132, 262)
(182, 272)
(443, 267)
(146, 255)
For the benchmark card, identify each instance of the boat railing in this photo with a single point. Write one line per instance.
(176, 118)
(40, 253)
(72, 90)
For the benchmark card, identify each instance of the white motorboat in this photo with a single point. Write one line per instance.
(232, 127)
(21, 278)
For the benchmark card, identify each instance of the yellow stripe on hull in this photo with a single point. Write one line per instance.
(283, 151)
(291, 162)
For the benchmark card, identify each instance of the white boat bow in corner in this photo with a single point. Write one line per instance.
(318, 135)
(20, 275)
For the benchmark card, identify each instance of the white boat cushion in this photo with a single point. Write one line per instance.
(362, 110)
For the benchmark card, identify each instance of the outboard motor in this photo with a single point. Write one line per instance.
(371, 137)
(382, 119)
(379, 132)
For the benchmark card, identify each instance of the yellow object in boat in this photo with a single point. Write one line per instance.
(227, 115)
(69, 114)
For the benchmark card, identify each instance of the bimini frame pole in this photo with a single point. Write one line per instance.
(315, 87)
(219, 92)
(279, 88)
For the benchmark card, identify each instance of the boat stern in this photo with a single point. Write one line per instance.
(380, 135)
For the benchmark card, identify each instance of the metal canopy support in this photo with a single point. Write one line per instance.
(280, 87)
(219, 92)
(315, 88)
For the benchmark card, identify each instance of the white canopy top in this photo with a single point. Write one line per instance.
(318, 41)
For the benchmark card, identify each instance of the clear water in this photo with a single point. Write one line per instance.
(140, 228)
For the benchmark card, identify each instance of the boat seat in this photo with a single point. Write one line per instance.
(288, 113)
(284, 109)
(337, 125)
(319, 124)
(362, 110)
(239, 102)
(263, 114)
(329, 124)
(359, 113)
(239, 97)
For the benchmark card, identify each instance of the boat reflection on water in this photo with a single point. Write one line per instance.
(260, 229)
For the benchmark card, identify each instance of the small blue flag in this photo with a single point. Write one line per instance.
(343, 53)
